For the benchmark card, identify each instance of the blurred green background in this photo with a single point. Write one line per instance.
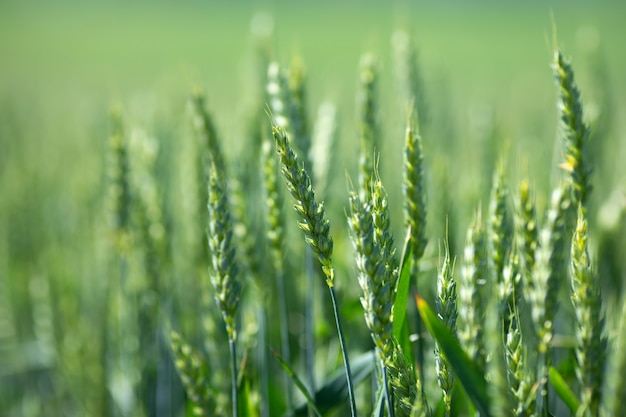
(488, 86)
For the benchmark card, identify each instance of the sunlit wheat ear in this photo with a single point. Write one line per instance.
(209, 147)
(119, 195)
(527, 237)
(373, 276)
(367, 127)
(313, 221)
(224, 271)
(614, 389)
(591, 341)
(500, 224)
(323, 146)
(195, 376)
(549, 272)
(372, 242)
(574, 131)
(414, 190)
(446, 303)
(316, 228)
(471, 292)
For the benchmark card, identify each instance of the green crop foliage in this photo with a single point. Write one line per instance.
(317, 210)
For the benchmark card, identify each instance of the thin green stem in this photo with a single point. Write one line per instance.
(344, 352)
(284, 331)
(263, 363)
(308, 317)
(233, 364)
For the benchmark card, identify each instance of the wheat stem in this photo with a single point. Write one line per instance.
(316, 228)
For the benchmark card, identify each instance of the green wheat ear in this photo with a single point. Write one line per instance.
(224, 271)
(472, 292)
(591, 341)
(314, 223)
(407, 390)
(367, 127)
(209, 144)
(377, 273)
(316, 228)
(446, 303)
(414, 190)
(500, 228)
(549, 270)
(119, 198)
(195, 376)
(374, 275)
(527, 237)
(574, 131)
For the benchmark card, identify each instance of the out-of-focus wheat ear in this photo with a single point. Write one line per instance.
(322, 147)
(527, 237)
(614, 389)
(519, 373)
(210, 147)
(447, 312)
(299, 122)
(316, 228)
(500, 224)
(195, 376)
(407, 73)
(8, 333)
(119, 194)
(509, 290)
(591, 340)
(500, 397)
(224, 273)
(367, 126)
(548, 277)
(471, 292)
(43, 317)
(274, 204)
(549, 271)
(414, 190)
(407, 390)
(276, 238)
(574, 131)
(150, 214)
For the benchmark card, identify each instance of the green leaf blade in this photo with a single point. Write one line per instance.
(466, 370)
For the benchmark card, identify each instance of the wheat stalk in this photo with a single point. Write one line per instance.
(224, 276)
(591, 342)
(574, 131)
(446, 303)
(316, 228)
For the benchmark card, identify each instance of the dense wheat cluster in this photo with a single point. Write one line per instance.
(279, 274)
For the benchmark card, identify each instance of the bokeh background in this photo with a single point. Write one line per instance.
(487, 84)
